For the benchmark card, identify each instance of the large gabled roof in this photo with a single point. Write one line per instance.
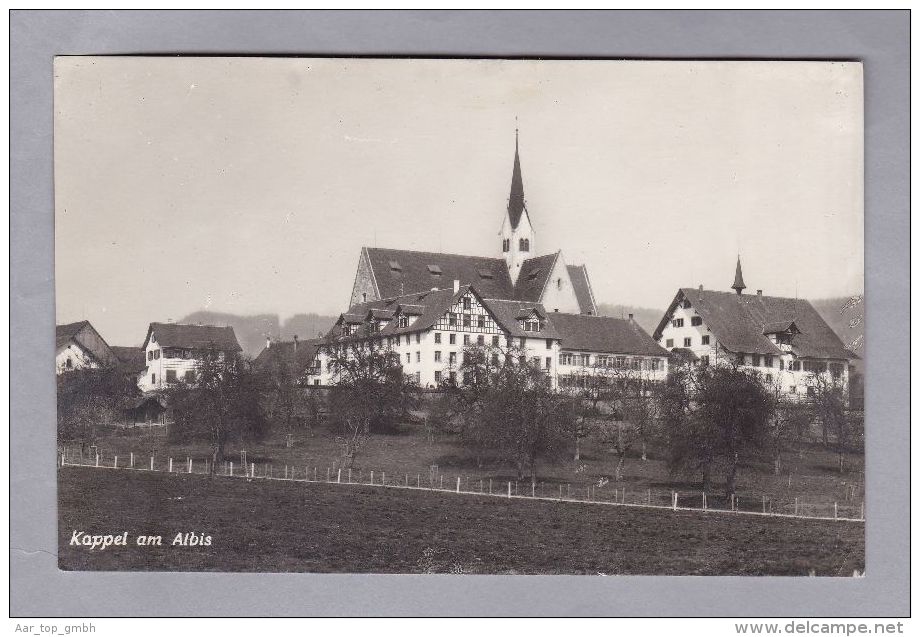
(297, 357)
(739, 323)
(581, 332)
(193, 336)
(402, 272)
(64, 333)
(533, 276)
(583, 292)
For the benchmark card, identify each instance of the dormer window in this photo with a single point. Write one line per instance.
(486, 274)
(403, 321)
(395, 267)
(434, 270)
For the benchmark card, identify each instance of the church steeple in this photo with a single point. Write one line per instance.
(516, 198)
(738, 285)
(517, 232)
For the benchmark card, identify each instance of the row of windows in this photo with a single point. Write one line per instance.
(688, 341)
(604, 360)
(523, 245)
(171, 352)
(694, 320)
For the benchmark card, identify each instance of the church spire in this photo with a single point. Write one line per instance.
(738, 285)
(516, 199)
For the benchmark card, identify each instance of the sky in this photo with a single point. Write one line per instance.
(249, 185)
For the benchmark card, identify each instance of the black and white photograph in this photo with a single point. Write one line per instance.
(457, 316)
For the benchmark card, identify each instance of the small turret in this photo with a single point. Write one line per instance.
(738, 285)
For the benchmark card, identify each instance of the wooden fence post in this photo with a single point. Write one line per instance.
(383, 478)
(372, 477)
(132, 459)
(339, 478)
(533, 489)
(704, 500)
(170, 465)
(674, 500)
(349, 475)
(252, 469)
(151, 463)
(509, 488)
(764, 504)
(835, 510)
(796, 506)
(418, 480)
(231, 467)
(490, 486)
(458, 484)
(97, 459)
(862, 510)
(189, 465)
(648, 497)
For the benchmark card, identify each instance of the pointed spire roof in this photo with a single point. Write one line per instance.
(516, 198)
(738, 285)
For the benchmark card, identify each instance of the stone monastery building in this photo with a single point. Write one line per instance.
(429, 306)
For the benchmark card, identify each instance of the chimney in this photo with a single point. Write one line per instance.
(630, 316)
(295, 342)
(456, 285)
(759, 292)
(699, 294)
(268, 342)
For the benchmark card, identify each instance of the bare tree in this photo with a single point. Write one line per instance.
(827, 397)
(371, 393)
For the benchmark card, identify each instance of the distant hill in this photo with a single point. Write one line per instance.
(646, 317)
(252, 330)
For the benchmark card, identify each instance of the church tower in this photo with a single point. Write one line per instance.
(517, 233)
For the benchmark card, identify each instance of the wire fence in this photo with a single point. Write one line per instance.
(601, 493)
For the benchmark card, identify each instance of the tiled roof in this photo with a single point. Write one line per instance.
(193, 336)
(402, 272)
(131, 359)
(579, 276)
(739, 323)
(297, 359)
(581, 332)
(532, 278)
(64, 333)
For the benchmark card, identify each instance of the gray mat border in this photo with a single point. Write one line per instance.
(879, 38)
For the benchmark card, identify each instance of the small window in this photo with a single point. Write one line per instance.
(452, 358)
(453, 339)
(467, 320)
(480, 340)
(437, 337)
(767, 360)
(688, 342)
(467, 378)
(792, 389)
(559, 283)
(150, 355)
(437, 377)
(466, 339)
(418, 357)
(669, 342)
(156, 354)
(437, 356)
(768, 378)
(153, 379)
(316, 381)
(677, 322)
(481, 321)
(696, 320)
(69, 364)
(781, 363)
(494, 341)
(486, 274)
(434, 270)
(418, 338)
(755, 360)
(408, 357)
(170, 375)
(395, 267)
(549, 343)
(451, 319)
(364, 297)
(453, 378)
(705, 339)
(467, 303)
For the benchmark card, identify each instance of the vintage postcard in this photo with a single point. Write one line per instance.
(459, 316)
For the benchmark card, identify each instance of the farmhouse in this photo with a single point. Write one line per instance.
(429, 307)
(783, 338)
(79, 346)
(173, 352)
(295, 358)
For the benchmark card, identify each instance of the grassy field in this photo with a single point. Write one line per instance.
(809, 475)
(262, 525)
